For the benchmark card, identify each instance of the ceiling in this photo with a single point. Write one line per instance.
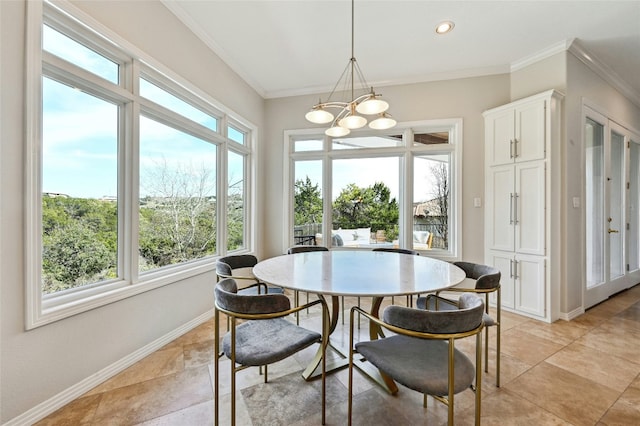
(285, 48)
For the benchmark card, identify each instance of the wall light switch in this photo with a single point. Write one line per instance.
(576, 202)
(477, 202)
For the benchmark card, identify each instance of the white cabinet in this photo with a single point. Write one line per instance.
(521, 183)
(521, 280)
(516, 207)
(516, 134)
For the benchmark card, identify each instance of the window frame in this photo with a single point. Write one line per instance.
(133, 64)
(405, 152)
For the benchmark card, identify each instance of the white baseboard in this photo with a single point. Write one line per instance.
(568, 316)
(58, 401)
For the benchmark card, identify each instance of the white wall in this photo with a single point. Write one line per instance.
(37, 365)
(548, 73)
(462, 98)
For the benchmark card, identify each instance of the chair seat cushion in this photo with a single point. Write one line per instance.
(264, 342)
(419, 364)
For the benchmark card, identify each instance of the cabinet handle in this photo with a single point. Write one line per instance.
(613, 231)
(515, 208)
(510, 268)
(511, 208)
(510, 148)
(515, 269)
(515, 147)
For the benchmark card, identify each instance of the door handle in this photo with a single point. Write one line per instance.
(613, 231)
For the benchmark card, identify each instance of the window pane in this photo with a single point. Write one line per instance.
(365, 207)
(235, 202)
(308, 202)
(235, 135)
(175, 104)
(367, 142)
(79, 184)
(177, 196)
(594, 201)
(308, 145)
(434, 138)
(431, 201)
(70, 50)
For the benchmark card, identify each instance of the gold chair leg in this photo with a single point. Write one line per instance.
(216, 373)
(296, 296)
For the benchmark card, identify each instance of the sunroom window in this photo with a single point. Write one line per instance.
(134, 172)
(397, 190)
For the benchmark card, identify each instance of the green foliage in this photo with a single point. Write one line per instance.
(308, 202)
(373, 207)
(79, 242)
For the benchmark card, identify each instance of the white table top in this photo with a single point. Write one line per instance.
(358, 273)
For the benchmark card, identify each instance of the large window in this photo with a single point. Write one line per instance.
(133, 174)
(395, 189)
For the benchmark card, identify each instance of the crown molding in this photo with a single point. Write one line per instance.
(554, 49)
(604, 71)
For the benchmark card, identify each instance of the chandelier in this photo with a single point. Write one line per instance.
(350, 115)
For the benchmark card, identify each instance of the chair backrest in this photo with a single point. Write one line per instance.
(228, 299)
(466, 318)
(397, 250)
(226, 265)
(487, 277)
(305, 249)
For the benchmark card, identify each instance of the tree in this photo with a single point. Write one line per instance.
(308, 202)
(79, 242)
(440, 172)
(372, 207)
(178, 222)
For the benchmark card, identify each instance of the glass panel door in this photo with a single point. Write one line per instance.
(616, 214)
(594, 202)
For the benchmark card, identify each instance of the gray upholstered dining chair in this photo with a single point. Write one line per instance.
(264, 336)
(421, 355)
(483, 279)
(303, 249)
(401, 251)
(239, 267)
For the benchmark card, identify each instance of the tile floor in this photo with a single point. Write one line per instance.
(582, 372)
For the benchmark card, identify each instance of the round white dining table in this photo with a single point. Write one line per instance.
(359, 273)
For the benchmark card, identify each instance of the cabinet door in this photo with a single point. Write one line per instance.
(530, 131)
(529, 208)
(530, 285)
(500, 197)
(503, 262)
(499, 132)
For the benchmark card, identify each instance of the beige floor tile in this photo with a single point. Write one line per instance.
(594, 364)
(564, 394)
(504, 408)
(199, 414)
(622, 413)
(526, 347)
(161, 363)
(563, 332)
(79, 412)
(614, 340)
(154, 398)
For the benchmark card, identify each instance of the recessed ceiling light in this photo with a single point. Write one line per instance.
(444, 27)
